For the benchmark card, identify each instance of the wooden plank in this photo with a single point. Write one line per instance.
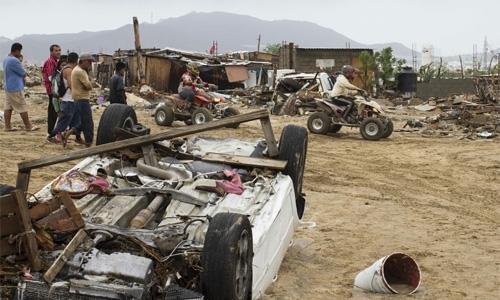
(71, 209)
(63, 257)
(44, 209)
(59, 214)
(272, 147)
(64, 225)
(29, 236)
(7, 249)
(9, 225)
(245, 161)
(263, 115)
(23, 180)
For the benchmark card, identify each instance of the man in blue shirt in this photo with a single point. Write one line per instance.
(15, 77)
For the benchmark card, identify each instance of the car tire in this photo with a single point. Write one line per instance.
(164, 116)
(5, 189)
(229, 112)
(201, 115)
(372, 129)
(319, 123)
(115, 115)
(389, 128)
(293, 149)
(227, 258)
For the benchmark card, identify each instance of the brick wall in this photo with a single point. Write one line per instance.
(444, 87)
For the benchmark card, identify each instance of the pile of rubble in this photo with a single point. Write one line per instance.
(462, 115)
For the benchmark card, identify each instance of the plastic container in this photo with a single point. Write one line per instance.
(396, 273)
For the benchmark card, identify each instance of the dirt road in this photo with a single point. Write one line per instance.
(433, 197)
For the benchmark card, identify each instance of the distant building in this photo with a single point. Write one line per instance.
(427, 54)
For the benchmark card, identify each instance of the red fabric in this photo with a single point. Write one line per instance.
(233, 187)
(212, 49)
(48, 69)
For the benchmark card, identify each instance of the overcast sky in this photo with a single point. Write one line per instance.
(452, 27)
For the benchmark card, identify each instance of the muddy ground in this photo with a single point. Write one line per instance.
(433, 197)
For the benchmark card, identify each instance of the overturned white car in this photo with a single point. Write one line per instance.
(167, 218)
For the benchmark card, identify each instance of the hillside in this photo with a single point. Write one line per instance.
(232, 32)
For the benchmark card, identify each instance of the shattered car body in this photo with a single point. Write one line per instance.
(211, 220)
(291, 83)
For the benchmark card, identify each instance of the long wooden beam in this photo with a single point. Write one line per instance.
(24, 168)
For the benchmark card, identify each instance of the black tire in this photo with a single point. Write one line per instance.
(293, 149)
(335, 128)
(389, 128)
(201, 115)
(164, 116)
(319, 123)
(372, 129)
(115, 115)
(227, 258)
(230, 111)
(5, 189)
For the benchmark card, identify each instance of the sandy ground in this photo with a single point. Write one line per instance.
(432, 197)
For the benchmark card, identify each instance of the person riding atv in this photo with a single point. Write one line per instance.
(191, 84)
(343, 89)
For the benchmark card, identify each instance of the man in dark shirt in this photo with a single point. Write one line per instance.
(117, 85)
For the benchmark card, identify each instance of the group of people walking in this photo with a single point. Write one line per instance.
(68, 113)
(75, 115)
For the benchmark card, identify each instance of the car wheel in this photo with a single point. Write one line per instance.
(319, 123)
(115, 115)
(293, 149)
(201, 115)
(6, 189)
(389, 128)
(372, 129)
(227, 258)
(335, 128)
(164, 116)
(228, 112)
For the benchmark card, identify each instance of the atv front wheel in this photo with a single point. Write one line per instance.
(201, 115)
(229, 112)
(372, 129)
(389, 128)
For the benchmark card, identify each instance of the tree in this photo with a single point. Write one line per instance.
(272, 48)
(426, 72)
(387, 66)
(367, 68)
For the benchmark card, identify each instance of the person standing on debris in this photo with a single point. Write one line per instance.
(81, 85)
(343, 89)
(48, 69)
(117, 85)
(191, 84)
(15, 77)
(66, 119)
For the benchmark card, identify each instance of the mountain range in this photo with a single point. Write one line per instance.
(197, 32)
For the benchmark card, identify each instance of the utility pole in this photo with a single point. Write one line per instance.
(138, 50)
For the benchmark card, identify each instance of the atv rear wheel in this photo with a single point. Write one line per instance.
(372, 129)
(164, 116)
(319, 123)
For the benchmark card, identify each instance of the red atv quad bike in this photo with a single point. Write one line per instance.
(202, 110)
